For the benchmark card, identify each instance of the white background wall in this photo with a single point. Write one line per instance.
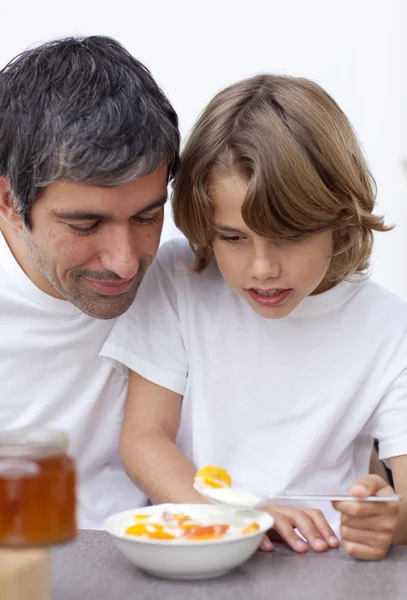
(356, 49)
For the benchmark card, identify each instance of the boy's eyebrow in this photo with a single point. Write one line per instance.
(91, 216)
(221, 227)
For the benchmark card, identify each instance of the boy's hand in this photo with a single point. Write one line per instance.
(367, 528)
(310, 523)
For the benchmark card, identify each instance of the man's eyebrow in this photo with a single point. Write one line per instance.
(91, 216)
(156, 204)
(79, 216)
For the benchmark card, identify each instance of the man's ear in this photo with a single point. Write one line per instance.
(8, 207)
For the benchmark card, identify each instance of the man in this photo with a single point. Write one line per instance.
(88, 143)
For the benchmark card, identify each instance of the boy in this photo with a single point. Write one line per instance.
(265, 349)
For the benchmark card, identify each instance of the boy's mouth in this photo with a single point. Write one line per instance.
(270, 297)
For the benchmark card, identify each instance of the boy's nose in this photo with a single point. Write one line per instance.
(265, 267)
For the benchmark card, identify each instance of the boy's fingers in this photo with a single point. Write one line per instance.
(364, 524)
(386, 523)
(358, 510)
(324, 528)
(308, 529)
(362, 536)
(365, 510)
(286, 530)
(371, 485)
(364, 552)
(266, 545)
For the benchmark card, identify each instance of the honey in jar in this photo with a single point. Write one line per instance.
(37, 488)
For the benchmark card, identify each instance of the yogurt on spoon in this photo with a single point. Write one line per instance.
(215, 484)
(228, 496)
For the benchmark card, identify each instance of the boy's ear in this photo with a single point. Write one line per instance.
(8, 208)
(341, 231)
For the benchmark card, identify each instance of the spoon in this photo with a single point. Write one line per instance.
(232, 497)
(239, 498)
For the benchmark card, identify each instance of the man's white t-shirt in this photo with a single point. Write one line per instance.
(287, 405)
(51, 376)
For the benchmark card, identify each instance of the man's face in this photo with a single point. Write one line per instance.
(92, 245)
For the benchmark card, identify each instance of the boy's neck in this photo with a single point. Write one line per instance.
(324, 286)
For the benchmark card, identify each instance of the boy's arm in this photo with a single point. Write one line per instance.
(147, 443)
(377, 467)
(398, 465)
(369, 529)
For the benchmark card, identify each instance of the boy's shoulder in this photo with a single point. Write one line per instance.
(379, 302)
(381, 295)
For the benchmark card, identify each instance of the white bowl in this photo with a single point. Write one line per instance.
(176, 559)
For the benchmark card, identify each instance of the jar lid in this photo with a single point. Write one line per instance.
(31, 442)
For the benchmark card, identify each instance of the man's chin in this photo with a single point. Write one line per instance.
(111, 309)
(104, 307)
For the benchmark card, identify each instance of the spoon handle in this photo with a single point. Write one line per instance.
(328, 498)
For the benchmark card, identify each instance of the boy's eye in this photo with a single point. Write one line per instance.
(290, 241)
(233, 239)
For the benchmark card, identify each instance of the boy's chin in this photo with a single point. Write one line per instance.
(272, 312)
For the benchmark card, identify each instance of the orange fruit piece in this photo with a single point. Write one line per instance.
(187, 526)
(141, 517)
(154, 531)
(206, 532)
(250, 528)
(181, 519)
(214, 476)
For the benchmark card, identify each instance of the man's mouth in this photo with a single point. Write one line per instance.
(110, 288)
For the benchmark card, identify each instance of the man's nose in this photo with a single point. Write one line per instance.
(120, 254)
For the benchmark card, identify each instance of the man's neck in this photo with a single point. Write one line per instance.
(19, 250)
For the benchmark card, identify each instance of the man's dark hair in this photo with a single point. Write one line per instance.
(83, 110)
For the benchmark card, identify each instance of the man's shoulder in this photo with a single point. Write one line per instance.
(176, 252)
(3, 249)
(174, 269)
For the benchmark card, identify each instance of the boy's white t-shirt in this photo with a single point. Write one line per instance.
(288, 405)
(51, 376)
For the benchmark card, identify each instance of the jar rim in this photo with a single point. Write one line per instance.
(31, 442)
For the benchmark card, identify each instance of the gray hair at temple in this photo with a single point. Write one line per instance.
(83, 110)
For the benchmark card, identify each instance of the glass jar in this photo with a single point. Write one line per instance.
(37, 488)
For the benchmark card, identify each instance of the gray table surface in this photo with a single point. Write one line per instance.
(91, 568)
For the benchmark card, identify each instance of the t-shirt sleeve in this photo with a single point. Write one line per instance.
(148, 339)
(388, 423)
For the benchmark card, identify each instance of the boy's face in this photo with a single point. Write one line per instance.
(92, 245)
(273, 277)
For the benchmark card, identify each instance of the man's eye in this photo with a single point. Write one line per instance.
(83, 230)
(148, 220)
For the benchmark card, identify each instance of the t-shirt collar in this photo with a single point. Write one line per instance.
(9, 263)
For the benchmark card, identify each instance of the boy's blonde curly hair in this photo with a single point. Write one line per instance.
(302, 162)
